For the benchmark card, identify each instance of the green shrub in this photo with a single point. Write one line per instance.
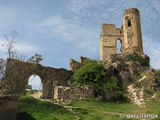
(111, 86)
(93, 73)
(143, 61)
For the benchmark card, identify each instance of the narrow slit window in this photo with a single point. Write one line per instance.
(129, 23)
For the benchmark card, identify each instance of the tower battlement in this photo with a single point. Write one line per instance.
(131, 11)
(129, 35)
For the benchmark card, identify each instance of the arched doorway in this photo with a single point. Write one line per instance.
(34, 87)
(118, 46)
(34, 83)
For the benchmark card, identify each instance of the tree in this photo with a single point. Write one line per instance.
(10, 43)
(92, 73)
(35, 59)
(11, 52)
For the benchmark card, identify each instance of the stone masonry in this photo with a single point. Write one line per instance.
(8, 107)
(74, 65)
(17, 74)
(64, 93)
(129, 35)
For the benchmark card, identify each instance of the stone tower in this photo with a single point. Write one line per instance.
(129, 35)
(132, 31)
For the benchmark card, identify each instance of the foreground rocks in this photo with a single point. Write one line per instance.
(8, 107)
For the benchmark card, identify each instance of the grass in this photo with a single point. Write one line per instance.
(34, 109)
(92, 110)
(29, 92)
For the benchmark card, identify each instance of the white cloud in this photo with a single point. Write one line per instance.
(22, 47)
(110, 10)
(79, 6)
(65, 30)
(151, 48)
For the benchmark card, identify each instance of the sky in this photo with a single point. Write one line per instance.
(64, 29)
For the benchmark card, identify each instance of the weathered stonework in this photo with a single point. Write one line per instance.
(74, 65)
(129, 35)
(17, 74)
(8, 107)
(65, 93)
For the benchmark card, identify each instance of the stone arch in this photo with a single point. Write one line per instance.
(18, 72)
(35, 82)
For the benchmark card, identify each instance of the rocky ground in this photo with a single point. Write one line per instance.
(134, 73)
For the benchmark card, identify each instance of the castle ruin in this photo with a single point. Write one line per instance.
(57, 83)
(129, 35)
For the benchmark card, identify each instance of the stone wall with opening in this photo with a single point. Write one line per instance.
(129, 35)
(17, 74)
(109, 36)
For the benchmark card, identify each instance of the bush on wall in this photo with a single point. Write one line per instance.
(93, 73)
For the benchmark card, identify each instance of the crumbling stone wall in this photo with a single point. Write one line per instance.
(129, 35)
(109, 36)
(8, 107)
(17, 74)
(65, 93)
(74, 65)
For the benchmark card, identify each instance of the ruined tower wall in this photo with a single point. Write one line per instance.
(129, 35)
(132, 31)
(109, 36)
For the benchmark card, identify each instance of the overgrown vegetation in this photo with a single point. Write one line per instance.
(112, 86)
(157, 78)
(94, 74)
(116, 58)
(143, 61)
(148, 93)
(134, 79)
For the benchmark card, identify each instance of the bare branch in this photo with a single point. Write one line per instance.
(10, 44)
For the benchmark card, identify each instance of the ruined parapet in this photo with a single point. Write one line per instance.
(8, 107)
(74, 65)
(84, 59)
(132, 31)
(129, 35)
